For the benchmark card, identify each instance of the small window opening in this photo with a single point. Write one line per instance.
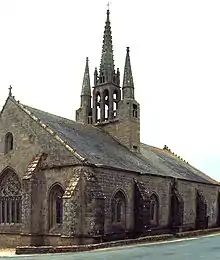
(8, 142)
(152, 210)
(98, 98)
(135, 112)
(106, 112)
(135, 147)
(98, 113)
(115, 104)
(90, 118)
(106, 104)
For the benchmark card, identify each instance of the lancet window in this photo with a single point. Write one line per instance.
(154, 209)
(119, 208)
(56, 205)
(9, 142)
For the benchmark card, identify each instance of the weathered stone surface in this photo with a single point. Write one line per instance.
(86, 182)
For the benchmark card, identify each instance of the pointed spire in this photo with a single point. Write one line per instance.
(128, 84)
(107, 61)
(86, 89)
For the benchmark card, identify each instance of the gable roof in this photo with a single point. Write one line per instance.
(92, 145)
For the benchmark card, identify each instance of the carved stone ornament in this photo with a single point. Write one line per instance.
(10, 186)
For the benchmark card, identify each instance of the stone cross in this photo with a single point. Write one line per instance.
(10, 88)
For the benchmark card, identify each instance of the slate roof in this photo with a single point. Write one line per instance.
(97, 147)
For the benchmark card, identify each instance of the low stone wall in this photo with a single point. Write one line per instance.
(80, 248)
(194, 233)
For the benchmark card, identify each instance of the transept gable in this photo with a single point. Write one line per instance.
(31, 137)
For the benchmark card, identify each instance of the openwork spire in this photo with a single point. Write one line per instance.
(86, 88)
(107, 62)
(128, 83)
(107, 68)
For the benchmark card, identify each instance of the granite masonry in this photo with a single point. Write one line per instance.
(65, 182)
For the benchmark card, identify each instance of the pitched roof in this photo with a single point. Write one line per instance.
(93, 145)
(172, 165)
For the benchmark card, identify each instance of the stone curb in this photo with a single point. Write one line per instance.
(21, 250)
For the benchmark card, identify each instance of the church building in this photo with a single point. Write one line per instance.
(65, 182)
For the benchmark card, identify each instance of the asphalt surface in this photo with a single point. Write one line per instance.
(191, 249)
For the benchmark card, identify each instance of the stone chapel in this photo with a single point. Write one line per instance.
(65, 182)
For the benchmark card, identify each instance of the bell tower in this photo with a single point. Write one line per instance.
(114, 110)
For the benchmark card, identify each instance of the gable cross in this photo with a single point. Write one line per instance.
(10, 93)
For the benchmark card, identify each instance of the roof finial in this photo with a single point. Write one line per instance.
(108, 6)
(10, 92)
(108, 11)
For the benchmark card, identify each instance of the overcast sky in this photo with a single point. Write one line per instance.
(175, 56)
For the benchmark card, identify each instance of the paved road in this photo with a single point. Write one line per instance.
(193, 249)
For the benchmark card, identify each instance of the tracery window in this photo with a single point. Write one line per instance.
(8, 142)
(10, 198)
(154, 209)
(119, 208)
(56, 205)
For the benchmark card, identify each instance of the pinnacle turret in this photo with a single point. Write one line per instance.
(84, 113)
(128, 83)
(86, 88)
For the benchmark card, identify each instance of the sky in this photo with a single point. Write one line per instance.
(175, 58)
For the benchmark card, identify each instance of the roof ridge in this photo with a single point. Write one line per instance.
(49, 130)
(168, 151)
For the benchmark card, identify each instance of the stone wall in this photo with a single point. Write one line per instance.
(31, 139)
(188, 192)
(161, 187)
(111, 181)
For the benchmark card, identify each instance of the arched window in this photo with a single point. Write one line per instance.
(55, 205)
(97, 106)
(106, 100)
(119, 208)
(8, 142)
(115, 103)
(10, 198)
(135, 111)
(154, 210)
